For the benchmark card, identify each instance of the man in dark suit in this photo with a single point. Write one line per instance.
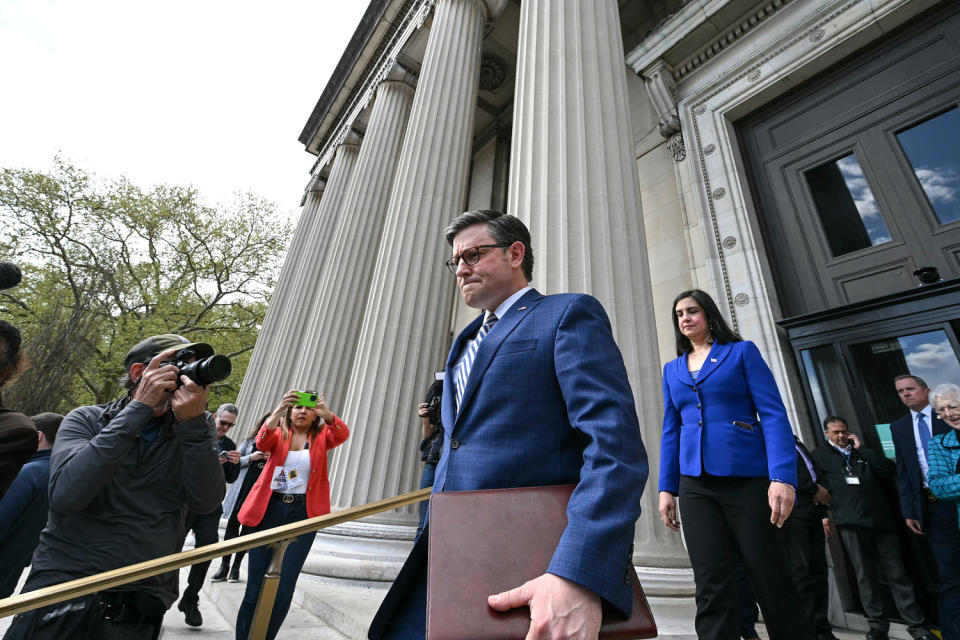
(537, 394)
(853, 474)
(925, 516)
(808, 558)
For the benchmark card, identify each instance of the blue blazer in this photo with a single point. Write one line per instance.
(548, 402)
(909, 473)
(699, 434)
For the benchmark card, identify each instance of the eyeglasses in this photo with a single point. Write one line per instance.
(472, 255)
(224, 422)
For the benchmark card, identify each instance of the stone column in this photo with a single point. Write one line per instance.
(279, 343)
(333, 324)
(404, 336)
(573, 181)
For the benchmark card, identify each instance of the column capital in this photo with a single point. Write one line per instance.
(316, 184)
(396, 72)
(352, 138)
(494, 8)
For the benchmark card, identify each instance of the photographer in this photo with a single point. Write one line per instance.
(432, 444)
(122, 475)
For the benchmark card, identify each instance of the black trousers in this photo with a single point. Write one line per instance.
(808, 564)
(92, 617)
(725, 515)
(205, 528)
(870, 550)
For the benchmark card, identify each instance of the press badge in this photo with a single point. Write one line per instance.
(279, 480)
(852, 480)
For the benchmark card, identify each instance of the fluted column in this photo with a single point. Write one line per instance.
(404, 334)
(280, 340)
(350, 249)
(573, 180)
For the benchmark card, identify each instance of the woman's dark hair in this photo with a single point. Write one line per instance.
(720, 331)
(255, 429)
(13, 361)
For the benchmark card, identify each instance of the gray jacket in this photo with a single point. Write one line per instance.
(116, 499)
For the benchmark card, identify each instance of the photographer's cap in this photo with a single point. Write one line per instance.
(145, 350)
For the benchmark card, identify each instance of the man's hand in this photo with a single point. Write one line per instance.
(156, 382)
(855, 441)
(258, 455)
(668, 511)
(914, 525)
(782, 497)
(559, 608)
(233, 457)
(822, 496)
(189, 400)
(827, 527)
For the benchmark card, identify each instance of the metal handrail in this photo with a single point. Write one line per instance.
(277, 537)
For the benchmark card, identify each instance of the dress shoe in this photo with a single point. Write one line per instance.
(234, 574)
(221, 573)
(191, 613)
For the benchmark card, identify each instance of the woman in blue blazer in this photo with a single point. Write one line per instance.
(943, 458)
(727, 450)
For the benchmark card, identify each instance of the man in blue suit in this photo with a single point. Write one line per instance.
(923, 513)
(537, 395)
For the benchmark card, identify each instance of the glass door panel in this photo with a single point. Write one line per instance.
(929, 355)
(933, 149)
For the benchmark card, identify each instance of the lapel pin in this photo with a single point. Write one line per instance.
(713, 359)
(521, 308)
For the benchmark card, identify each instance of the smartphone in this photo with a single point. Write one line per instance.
(307, 399)
(223, 455)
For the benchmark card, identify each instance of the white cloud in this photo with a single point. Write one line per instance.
(940, 184)
(931, 355)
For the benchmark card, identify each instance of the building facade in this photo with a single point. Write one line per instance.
(798, 159)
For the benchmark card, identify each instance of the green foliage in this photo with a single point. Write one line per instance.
(107, 263)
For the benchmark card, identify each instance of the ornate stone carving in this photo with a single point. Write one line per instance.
(718, 193)
(817, 35)
(753, 76)
(662, 89)
(729, 242)
(741, 300)
(677, 148)
(699, 110)
(710, 148)
(493, 72)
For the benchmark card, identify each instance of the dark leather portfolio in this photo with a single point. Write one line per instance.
(486, 542)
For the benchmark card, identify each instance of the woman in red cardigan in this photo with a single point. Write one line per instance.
(293, 486)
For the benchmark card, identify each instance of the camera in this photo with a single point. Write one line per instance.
(203, 372)
(434, 400)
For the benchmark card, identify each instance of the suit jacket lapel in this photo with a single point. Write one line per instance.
(718, 353)
(491, 343)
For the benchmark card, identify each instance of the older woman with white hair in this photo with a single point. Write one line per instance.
(943, 458)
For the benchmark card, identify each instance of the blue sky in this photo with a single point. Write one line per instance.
(212, 94)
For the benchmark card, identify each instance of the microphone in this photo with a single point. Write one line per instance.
(10, 275)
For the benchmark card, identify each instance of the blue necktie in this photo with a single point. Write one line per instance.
(464, 374)
(924, 432)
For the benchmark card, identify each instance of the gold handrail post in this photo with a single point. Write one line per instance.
(268, 592)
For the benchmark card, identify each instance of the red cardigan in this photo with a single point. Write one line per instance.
(318, 486)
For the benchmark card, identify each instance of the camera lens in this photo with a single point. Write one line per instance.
(209, 370)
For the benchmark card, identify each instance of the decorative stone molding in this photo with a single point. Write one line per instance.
(689, 18)
(710, 148)
(729, 242)
(677, 148)
(662, 89)
(741, 300)
(817, 35)
(718, 193)
(493, 72)
(754, 75)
